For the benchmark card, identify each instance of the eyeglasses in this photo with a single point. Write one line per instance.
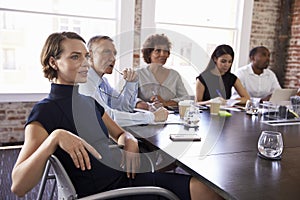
(113, 96)
(117, 96)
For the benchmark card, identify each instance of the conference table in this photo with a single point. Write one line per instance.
(226, 157)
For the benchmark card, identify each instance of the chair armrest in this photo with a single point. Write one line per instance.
(131, 191)
(114, 145)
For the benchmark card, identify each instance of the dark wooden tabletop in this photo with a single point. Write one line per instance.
(226, 157)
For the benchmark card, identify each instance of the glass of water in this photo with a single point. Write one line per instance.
(252, 106)
(270, 145)
(192, 116)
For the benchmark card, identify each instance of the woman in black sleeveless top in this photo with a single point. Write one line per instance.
(217, 80)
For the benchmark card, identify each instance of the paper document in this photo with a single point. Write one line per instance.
(172, 119)
(232, 102)
(145, 111)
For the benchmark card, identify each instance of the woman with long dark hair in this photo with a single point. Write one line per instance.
(217, 80)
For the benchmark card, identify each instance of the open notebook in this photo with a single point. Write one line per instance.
(282, 95)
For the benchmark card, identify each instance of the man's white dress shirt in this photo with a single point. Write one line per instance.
(258, 86)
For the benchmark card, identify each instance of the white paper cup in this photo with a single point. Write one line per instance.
(183, 105)
(214, 108)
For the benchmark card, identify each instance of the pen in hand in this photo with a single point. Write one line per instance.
(219, 93)
(224, 101)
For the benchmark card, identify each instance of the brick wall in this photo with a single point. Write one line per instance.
(267, 25)
(12, 119)
(265, 15)
(293, 60)
(137, 33)
(270, 29)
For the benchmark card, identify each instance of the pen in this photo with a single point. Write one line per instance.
(219, 93)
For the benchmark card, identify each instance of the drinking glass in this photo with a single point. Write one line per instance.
(295, 101)
(192, 116)
(183, 106)
(270, 145)
(252, 106)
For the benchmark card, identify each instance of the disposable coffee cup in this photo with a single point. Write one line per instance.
(183, 106)
(214, 108)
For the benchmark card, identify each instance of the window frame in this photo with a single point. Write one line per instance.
(243, 27)
(125, 23)
(241, 39)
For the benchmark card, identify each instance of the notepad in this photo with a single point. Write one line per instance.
(232, 102)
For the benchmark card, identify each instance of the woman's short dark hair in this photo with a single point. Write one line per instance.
(220, 51)
(53, 48)
(151, 42)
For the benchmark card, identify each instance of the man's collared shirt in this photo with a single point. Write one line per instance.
(124, 100)
(258, 86)
(91, 88)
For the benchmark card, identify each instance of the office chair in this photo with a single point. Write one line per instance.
(66, 189)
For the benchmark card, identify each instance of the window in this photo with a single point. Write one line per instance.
(25, 25)
(195, 28)
(8, 57)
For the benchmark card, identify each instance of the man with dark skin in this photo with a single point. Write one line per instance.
(259, 81)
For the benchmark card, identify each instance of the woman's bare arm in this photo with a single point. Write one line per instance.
(130, 157)
(37, 148)
(32, 159)
(199, 91)
(244, 96)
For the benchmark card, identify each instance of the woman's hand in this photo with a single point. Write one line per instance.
(131, 157)
(76, 147)
(220, 100)
(142, 105)
(157, 99)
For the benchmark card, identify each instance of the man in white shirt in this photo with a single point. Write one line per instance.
(117, 104)
(259, 81)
